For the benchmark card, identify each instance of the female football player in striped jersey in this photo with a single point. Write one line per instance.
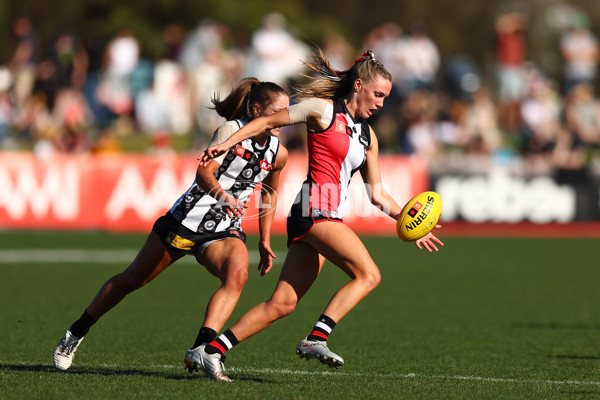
(206, 220)
(334, 105)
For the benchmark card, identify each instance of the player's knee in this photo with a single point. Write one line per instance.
(127, 283)
(237, 277)
(375, 279)
(280, 309)
(371, 279)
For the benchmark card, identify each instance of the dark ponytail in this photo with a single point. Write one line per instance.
(238, 104)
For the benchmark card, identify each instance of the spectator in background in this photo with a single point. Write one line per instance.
(581, 133)
(419, 116)
(275, 53)
(540, 113)
(73, 117)
(62, 68)
(461, 77)
(91, 57)
(510, 57)
(163, 109)
(6, 106)
(479, 129)
(420, 60)
(208, 36)
(121, 56)
(24, 60)
(203, 56)
(172, 36)
(579, 50)
(338, 50)
(386, 40)
(582, 115)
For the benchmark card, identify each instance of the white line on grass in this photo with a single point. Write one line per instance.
(423, 376)
(333, 373)
(106, 256)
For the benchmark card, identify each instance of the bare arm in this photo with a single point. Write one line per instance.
(208, 182)
(250, 130)
(270, 186)
(371, 175)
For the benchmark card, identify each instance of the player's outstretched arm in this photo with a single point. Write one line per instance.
(250, 130)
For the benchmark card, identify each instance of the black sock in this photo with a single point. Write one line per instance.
(81, 327)
(221, 344)
(206, 335)
(322, 328)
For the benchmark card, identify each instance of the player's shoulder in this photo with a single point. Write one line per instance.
(227, 129)
(316, 101)
(232, 125)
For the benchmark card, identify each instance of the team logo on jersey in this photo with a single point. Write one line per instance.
(242, 152)
(415, 209)
(239, 150)
(267, 166)
(179, 242)
(340, 126)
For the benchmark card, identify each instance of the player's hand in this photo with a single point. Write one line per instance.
(428, 241)
(266, 258)
(212, 152)
(231, 206)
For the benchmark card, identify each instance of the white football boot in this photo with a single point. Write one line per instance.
(318, 349)
(65, 351)
(197, 359)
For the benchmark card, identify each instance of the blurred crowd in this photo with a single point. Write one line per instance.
(79, 96)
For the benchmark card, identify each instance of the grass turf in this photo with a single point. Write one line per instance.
(484, 318)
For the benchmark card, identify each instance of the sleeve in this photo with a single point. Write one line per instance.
(300, 112)
(222, 134)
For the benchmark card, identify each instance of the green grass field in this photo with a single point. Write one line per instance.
(484, 318)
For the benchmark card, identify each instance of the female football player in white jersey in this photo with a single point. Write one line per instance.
(205, 220)
(334, 105)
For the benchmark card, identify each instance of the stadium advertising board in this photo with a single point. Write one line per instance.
(503, 197)
(128, 192)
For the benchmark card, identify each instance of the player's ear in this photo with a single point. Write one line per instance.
(357, 85)
(255, 110)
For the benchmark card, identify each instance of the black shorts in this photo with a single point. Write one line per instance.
(300, 222)
(180, 239)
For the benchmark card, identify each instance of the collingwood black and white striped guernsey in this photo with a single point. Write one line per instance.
(244, 166)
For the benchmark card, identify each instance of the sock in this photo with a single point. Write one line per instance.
(221, 344)
(322, 328)
(206, 335)
(81, 327)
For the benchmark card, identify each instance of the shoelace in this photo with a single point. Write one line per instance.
(68, 349)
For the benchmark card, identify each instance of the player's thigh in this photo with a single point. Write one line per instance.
(340, 245)
(223, 256)
(151, 260)
(301, 267)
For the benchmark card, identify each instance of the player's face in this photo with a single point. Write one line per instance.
(279, 103)
(371, 94)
